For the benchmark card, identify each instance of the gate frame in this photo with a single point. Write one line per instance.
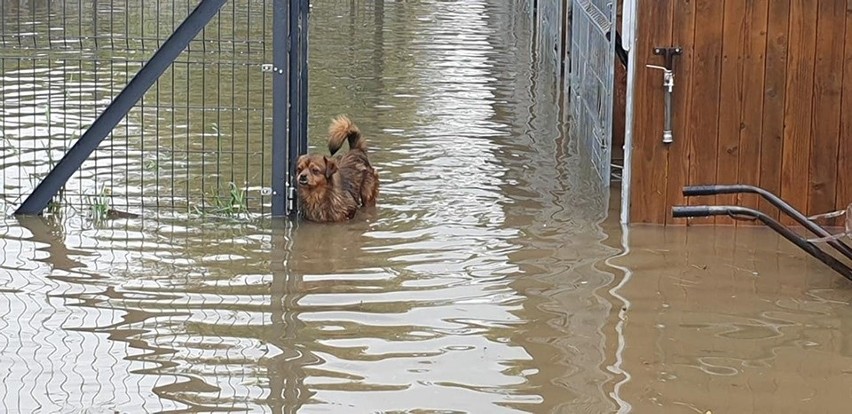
(297, 138)
(629, 24)
(289, 102)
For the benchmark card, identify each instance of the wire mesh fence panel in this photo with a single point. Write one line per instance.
(592, 72)
(197, 142)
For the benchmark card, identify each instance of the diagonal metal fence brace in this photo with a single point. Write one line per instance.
(120, 106)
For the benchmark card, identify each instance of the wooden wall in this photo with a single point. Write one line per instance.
(763, 96)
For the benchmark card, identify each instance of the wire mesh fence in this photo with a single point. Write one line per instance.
(592, 72)
(198, 141)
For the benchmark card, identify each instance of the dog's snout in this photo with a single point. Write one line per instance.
(303, 178)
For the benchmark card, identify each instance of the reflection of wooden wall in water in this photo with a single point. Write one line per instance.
(763, 93)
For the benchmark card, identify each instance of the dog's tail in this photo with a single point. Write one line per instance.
(342, 128)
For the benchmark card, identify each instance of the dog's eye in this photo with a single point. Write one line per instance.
(315, 170)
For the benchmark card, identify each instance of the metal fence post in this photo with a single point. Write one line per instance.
(120, 106)
(281, 165)
(306, 10)
(298, 93)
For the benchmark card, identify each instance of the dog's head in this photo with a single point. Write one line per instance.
(315, 170)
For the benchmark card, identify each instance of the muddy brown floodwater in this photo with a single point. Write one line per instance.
(491, 278)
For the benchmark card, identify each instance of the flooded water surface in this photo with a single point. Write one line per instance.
(492, 277)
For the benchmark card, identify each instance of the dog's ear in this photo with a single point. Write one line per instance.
(330, 166)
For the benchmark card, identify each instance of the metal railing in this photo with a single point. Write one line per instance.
(738, 212)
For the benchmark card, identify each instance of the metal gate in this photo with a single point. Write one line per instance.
(592, 73)
(133, 106)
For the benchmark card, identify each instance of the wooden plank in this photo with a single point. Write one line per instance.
(775, 75)
(828, 78)
(730, 100)
(683, 35)
(704, 115)
(844, 154)
(751, 120)
(648, 165)
(798, 109)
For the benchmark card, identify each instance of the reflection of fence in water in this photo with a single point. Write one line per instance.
(550, 26)
(51, 357)
(205, 124)
(233, 316)
(73, 338)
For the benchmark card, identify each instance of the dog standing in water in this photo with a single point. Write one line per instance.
(331, 189)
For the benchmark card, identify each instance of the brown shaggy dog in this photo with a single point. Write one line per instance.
(332, 188)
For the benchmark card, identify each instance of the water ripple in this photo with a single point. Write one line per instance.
(470, 288)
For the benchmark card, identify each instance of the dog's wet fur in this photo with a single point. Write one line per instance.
(332, 189)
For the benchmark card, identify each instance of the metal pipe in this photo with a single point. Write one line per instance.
(305, 16)
(630, 27)
(703, 190)
(739, 212)
(667, 101)
(668, 89)
(120, 106)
